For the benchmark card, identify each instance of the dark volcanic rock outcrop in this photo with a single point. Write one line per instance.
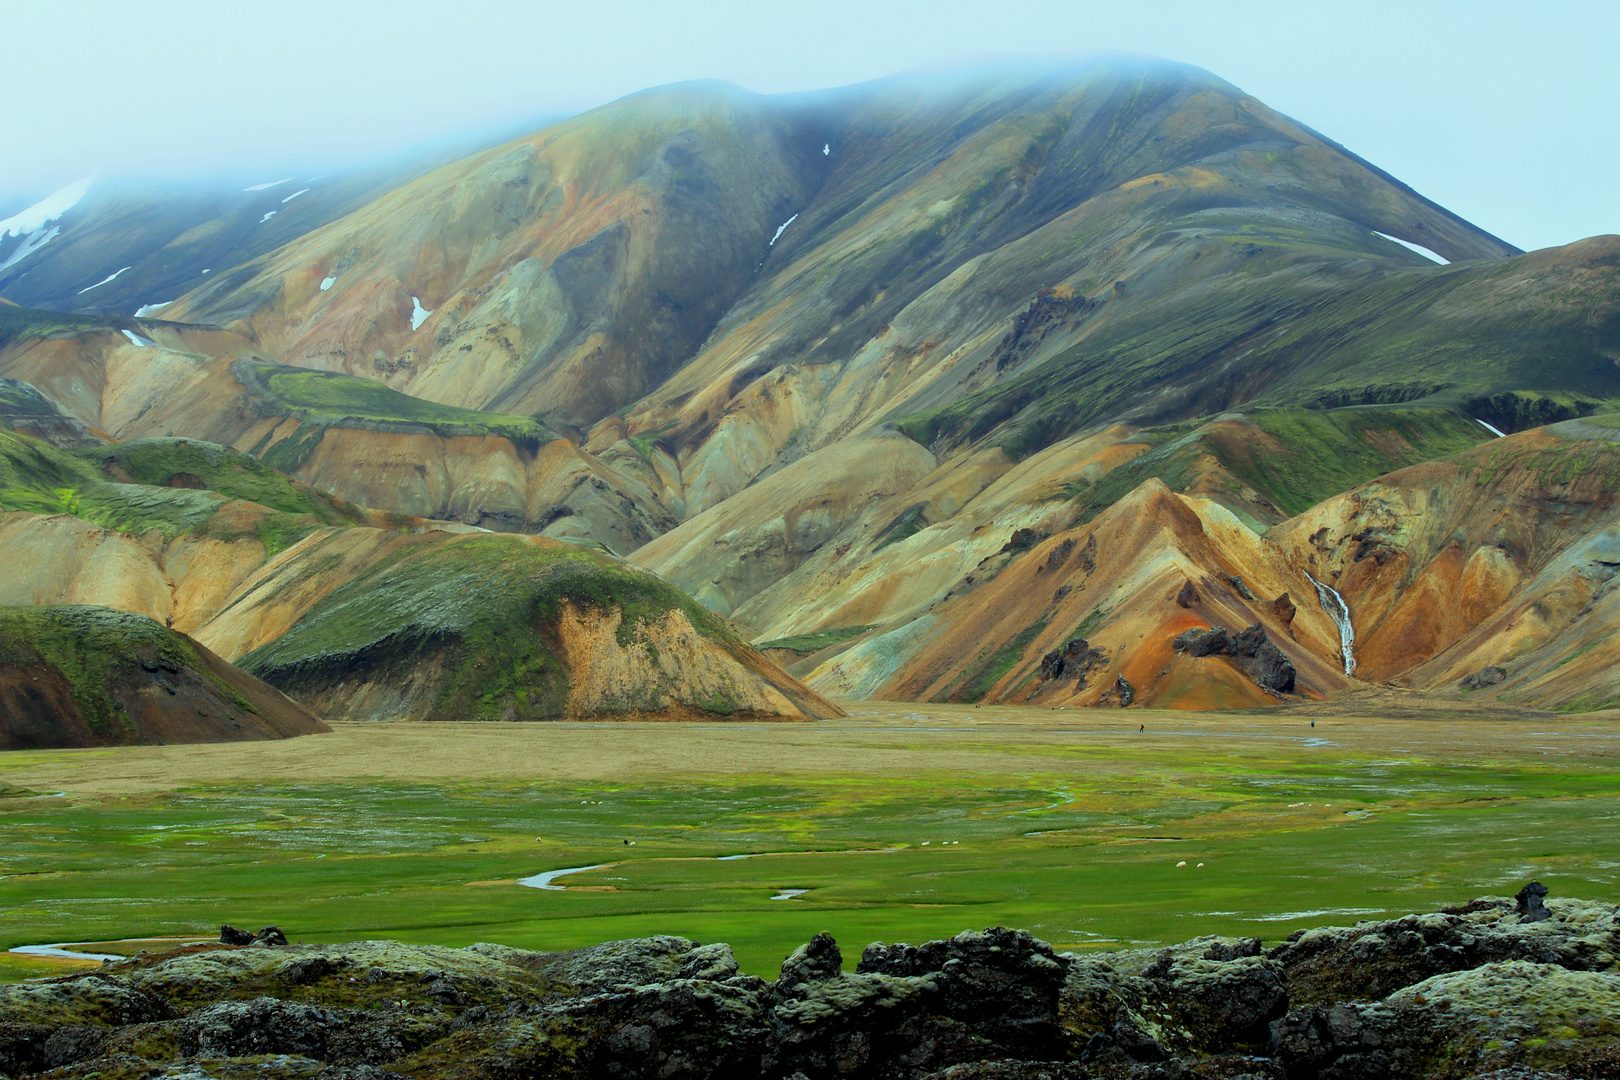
(1251, 649)
(1481, 991)
(1075, 659)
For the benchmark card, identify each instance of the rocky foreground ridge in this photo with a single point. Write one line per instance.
(1496, 988)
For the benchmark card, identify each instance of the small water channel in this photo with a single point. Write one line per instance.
(547, 880)
(544, 881)
(63, 950)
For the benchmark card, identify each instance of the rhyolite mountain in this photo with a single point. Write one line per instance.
(1074, 360)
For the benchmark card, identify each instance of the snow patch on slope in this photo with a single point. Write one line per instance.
(419, 313)
(102, 282)
(267, 217)
(30, 224)
(782, 226)
(1492, 428)
(327, 283)
(32, 242)
(45, 211)
(271, 184)
(1419, 248)
(293, 196)
(147, 309)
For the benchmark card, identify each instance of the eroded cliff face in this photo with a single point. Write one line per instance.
(1090, 615)
(666, 670)
(1504, 557)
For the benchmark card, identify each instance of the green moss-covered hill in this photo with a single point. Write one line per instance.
(1232, 319)
(92, 676)
(1270, 464)
(519, 628)
(166, 487)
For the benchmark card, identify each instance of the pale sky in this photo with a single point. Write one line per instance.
(1506, 113)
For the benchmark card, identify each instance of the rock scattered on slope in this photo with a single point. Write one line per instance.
(1489, 675)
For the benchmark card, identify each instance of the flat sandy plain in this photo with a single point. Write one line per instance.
(900, 823)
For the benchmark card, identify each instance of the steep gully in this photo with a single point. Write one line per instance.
(1335, 606)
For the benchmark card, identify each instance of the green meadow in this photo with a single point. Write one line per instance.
(1088, 837)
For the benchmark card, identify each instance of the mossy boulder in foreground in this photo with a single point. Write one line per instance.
(92, 676)
(1467, 994)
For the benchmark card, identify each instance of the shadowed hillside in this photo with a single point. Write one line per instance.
(91, 676)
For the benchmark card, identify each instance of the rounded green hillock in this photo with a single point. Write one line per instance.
(483, 609)
(41, 479)
(92, 647)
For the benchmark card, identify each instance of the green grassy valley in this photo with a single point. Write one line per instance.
(1080, 830)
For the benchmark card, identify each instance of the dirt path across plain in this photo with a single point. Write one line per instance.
(879, 738)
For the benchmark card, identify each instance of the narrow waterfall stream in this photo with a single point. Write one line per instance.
(1335, 606)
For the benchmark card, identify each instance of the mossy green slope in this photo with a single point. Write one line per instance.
(41, 479)
(87, 644)
(805, 644)
(172, 462)
(1518, 342)
(20, 399)
(82, 675)
(18, 323)
(1270, 464)
(332, 399)
(480, 611)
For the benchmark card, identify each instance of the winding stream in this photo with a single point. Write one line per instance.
(1335, 606)
(544, 881)
(62, 951)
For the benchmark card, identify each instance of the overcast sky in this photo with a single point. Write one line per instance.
(1507, 113)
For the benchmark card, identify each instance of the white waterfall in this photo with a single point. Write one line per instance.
(1335, 606)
